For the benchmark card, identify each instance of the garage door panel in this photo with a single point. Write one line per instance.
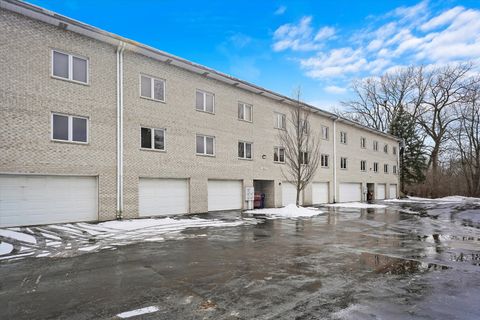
(350, 192)
(159, 197)
(381, 189)
(320, 192)
(393, 191)
(30, 200)
(225, 195)
(289, 194)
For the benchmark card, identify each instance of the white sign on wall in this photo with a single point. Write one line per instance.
(249, 193)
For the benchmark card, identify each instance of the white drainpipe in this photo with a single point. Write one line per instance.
(335, 160)
(120, 49)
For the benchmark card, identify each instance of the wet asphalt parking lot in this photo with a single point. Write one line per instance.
(407, 261)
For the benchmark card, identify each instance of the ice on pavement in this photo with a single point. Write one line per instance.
(359, 205)
(289, 211)
(60, 240)
(449, 199)
(20, 236)
(5, 248)
(137, 312)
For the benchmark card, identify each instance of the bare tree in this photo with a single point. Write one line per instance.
(466, 136)
(302, 147)
(444, 88)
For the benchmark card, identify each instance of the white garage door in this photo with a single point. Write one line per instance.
(31, 200)
(381, 188)
(349, 192)
(224, 195)
(158, 197)
(393, 191)
(319, 192)
(289, 194)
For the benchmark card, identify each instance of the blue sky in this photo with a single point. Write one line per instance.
(321, 46)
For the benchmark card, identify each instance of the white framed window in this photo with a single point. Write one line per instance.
(394, 169)
(152, 88)
(69, 67)
(151, 138)
(205, 145)
(244, 150)
(304, 157)
(324, 158)
(363, 143)
(375, 145)
(343, 163)
(343, 137)
(245, 112)
(324, 133)
(280, 121)
(385, 148)
(385, 168)
(394, 150)
(204, 101)
(304, 126)
(69, 128)
(279, 154)
(363, 165)
(375, 167)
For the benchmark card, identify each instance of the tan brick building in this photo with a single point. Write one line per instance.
(95, 126)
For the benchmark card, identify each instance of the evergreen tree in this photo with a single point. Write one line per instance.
(413, 162)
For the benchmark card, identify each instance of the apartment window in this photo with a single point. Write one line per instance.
(245, 111)
(324, 133)
(153, 139)
(375, 167)
(303, 157)
(363, 142)
(385, 148)
(279, 154)
(385, 168)
(394, 150)
(280, 121)
(205, 145)
(69, 67)
(343, 163)
(324, 160)
(204, 101)
(152, 88)
(375, 145)
(69, 128)
(244, 150)
(394, 169)
(363, 165)
(343, 137)
(304, 126)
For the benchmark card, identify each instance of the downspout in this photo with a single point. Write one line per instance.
(401, 145)
(335, 160)
(120, 49)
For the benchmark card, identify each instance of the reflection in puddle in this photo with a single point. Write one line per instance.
(391, 265)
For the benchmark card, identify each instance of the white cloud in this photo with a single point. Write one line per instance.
(335, 89)
(407, 35)
(299, 37)
(280, 10)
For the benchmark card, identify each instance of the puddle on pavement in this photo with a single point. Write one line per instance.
(392, 265)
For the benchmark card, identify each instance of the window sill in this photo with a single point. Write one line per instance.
(70, 142)
(278, 162)
(325, 167)
(154, 100)
(247, 159)
(247, 121)
(208, 112)
(205, 155)
(153, 150)
(87, 84)
(282, 129)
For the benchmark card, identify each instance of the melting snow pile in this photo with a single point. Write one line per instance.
(74, 238)
(358, 205)
(290, 211)
(449, 199)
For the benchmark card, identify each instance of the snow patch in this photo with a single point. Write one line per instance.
(358, 205)
(18, 236)
(5, 248)
(449, 199)
(137, 312)
(289, 211)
